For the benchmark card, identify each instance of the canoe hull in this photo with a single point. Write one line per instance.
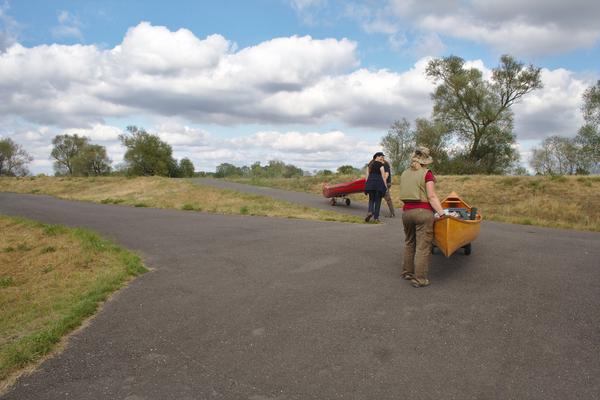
(344, 189)
(452, 233)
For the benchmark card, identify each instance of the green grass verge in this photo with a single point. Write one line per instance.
(70, 294)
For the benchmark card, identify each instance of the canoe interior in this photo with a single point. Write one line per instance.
(452, 233)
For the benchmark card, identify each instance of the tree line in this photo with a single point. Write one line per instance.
(276, 169)
(146, 155)
(75, 155)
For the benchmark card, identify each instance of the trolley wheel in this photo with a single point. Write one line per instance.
(332, 201)
(347, 202)
(467, 249)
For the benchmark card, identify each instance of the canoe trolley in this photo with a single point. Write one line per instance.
(338, 192)
(334, 200)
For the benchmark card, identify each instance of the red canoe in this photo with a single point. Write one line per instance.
(343, 189)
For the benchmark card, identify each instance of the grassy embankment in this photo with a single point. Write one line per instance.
(166, 193)
(571, 202)
(51, 279)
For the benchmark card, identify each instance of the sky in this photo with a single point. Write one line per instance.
(313, 83)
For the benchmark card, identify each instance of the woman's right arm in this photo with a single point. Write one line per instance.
(433, 198)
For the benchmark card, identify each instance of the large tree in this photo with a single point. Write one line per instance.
(91, 160)
(147, 154)
(65, 150)
(186, 168)
(479, 112)
(398, 145)
(13, 159)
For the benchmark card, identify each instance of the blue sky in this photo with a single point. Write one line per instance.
(310, 82)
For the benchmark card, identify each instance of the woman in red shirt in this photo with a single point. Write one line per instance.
(417, 191)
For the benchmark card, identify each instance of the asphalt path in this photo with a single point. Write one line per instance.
(241, 307)
(306, 199)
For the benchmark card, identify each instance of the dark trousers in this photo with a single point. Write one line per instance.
(375, 202)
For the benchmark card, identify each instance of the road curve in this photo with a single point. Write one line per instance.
(255, 308)
(306, 199)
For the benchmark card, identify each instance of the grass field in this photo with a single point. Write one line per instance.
(571, 202)
(51, 279)
(166, 193)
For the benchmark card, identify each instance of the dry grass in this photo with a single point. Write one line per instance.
(166, 193)
(571, 202)
(51, 279)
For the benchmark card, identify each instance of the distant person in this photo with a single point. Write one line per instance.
(417, 191)
(375, 186)
(388, 181)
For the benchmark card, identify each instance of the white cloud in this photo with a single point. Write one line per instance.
(307, 150)
(302, 5)
(97, 132)
(156, 71)
(553, 110)
(296, 142)
(521, 28)
(69, 26)
(177, 134)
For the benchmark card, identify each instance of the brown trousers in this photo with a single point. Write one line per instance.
(418, 232)
(388, 200)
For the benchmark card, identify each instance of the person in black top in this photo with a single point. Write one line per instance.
(388, 180)
(375, 186)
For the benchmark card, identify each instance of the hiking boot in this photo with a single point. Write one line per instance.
(409, 276)
(417, 284)
(368, 217)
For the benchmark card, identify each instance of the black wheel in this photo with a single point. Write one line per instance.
(332, 201)
(347, 202)
(467, 249)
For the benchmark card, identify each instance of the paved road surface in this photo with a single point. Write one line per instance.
(307, 199)
(262, 308)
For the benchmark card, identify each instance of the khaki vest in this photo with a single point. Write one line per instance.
(412, 185)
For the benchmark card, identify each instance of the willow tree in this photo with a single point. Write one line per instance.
(478, 111)
(588, 136)
(65, 151)
(398, 145)
(13, 158)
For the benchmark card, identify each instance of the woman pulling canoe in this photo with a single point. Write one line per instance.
(375, 186)
(417, 191)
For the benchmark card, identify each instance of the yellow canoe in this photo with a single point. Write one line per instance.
(452, 233)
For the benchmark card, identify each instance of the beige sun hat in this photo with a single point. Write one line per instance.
(421, 155)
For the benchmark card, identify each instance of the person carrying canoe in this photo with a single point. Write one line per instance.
(375, 186)
(417, 192)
